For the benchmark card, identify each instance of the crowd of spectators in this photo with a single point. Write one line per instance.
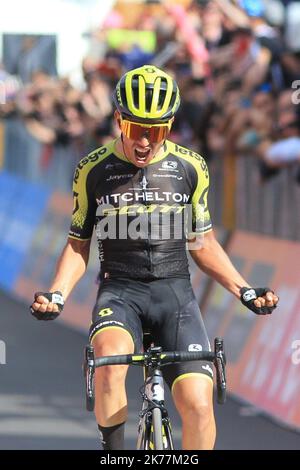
(235, 66)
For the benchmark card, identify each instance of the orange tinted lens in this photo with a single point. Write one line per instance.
(134, 131)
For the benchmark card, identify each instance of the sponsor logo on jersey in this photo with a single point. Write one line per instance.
(166, 175)
(114, 166)
(136, 209)
(147, 196)
(109, 166)
(169, 165)
(144, 183)
(195, 155)
(141, 221)
(93, 157)
(168, 169)
(119, 177)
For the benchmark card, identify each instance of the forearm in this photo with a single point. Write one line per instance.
(213, 260)
(71, 266)
(42, 133)
(234, 13)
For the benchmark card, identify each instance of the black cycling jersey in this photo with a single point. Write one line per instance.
(142, 215)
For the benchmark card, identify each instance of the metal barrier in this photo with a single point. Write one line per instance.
(25, 156)
(270, 207)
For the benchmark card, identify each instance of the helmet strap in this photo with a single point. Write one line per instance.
(122, 140)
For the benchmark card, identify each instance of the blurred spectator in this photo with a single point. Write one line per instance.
(286, 150)
(25, 54)
(9, 87)
(233, 66)
(292, 26)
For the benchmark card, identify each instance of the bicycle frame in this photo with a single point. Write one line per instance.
(154, 432)
(153, 395)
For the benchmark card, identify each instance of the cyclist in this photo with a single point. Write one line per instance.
(135, 190)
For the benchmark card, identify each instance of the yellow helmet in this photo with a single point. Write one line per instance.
(147, 94)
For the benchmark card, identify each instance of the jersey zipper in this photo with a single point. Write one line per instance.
(144, 189)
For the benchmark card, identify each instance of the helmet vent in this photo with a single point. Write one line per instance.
(162, 93)
(173, 99)
(123, 94)
(135, 90)
(149, 96)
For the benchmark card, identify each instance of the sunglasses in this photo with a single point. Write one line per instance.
(153, 132)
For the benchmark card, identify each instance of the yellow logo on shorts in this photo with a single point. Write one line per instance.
(105, 312)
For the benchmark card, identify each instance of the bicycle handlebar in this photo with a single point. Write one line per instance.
(164, 358)
(156, 358)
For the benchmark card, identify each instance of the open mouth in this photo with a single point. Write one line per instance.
(141, 155)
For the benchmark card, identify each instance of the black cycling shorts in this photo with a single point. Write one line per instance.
(167, 308)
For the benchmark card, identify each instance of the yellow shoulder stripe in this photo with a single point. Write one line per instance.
(79, 183)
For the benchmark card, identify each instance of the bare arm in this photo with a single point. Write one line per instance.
(41, 132)
(212, 259)
(234, 13)
(70, 268)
